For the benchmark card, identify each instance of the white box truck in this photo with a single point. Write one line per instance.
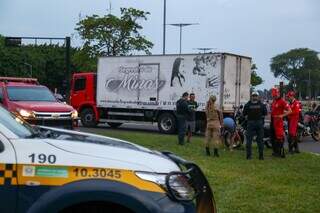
(136, 89)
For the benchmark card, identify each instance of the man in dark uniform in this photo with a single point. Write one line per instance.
(183, 112)
(191, 119)
(255, 112)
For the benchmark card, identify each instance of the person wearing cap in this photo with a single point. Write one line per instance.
(183, 112)
(279, 109)
(293, 119)
(255, 112)
(214, 124)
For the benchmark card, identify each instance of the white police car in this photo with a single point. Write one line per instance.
(44, 170)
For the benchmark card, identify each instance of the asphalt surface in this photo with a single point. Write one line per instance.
(308, 144)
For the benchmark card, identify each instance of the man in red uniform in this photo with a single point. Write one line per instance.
(279, 109)
(293, 119)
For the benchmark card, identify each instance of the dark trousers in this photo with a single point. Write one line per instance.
(181, 128)
(255, 128)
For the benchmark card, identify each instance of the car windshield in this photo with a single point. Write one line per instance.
(15, 124)
(30, 94)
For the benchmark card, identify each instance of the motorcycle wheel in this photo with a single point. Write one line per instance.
(236, 144)
(316, 134)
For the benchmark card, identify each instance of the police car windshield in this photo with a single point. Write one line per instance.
(15, 124)
(30, 94)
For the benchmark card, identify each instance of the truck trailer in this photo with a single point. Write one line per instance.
(145, 89)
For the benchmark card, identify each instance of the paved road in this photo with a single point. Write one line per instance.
(308, 144)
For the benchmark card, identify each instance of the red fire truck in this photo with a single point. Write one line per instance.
(35, 103)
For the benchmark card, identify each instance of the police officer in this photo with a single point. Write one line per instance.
(255, 111)
(293, 119)
(279, 109)
(183, 112)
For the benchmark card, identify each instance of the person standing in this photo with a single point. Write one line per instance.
(279, 109)
(214, 124)
(191, 119)
(255, 112)
(293, 119)
(182, 113)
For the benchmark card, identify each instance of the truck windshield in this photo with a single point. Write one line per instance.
(14, 124)
(30, 94)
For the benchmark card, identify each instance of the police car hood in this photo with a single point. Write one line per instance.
(114, 151)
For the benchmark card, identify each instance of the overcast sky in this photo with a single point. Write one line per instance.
(260, 29)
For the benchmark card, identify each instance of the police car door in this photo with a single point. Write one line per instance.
(8, 176)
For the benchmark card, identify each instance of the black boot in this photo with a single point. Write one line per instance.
(276, 152)
(207, 151)
(216, 154)
(261, 156)
(290, 144)
(282, 153)
(295, 145)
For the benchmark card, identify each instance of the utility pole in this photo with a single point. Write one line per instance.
(164, 25)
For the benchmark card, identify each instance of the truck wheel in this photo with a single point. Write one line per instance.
(114, 125)
(88, 118)
(167, 123)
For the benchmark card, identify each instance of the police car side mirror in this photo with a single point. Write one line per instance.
(1, 147)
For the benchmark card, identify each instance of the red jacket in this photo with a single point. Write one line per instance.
(295, 108)
(278, 107)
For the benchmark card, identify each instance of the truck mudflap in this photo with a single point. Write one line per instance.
(203, 196)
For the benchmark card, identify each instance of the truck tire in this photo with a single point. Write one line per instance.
(88, 118)
(114, 125)
(167, 123)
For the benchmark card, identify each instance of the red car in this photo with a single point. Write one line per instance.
(35, 103)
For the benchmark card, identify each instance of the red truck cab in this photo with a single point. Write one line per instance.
(35, 103)
(83, 97)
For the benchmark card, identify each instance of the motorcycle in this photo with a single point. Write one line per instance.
(241, 131)
(309, 126)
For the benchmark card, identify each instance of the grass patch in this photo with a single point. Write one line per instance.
(239, 185)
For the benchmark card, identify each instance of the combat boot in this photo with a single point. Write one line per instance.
(295, 145)
(290, 144)
(215, 154)
(207, 151)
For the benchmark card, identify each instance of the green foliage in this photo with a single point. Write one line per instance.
(112, 35)
(239, 185)
(47, 61)
(295, 66)
(255, 78)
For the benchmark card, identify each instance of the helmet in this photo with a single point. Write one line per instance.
(275, 92)
(254, 93)
(291, 94)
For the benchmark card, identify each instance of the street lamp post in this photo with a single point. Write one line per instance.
(164, 26)
(181, 25)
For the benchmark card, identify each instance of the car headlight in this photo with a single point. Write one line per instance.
(26, 113)
(176, 184)
(74, 114)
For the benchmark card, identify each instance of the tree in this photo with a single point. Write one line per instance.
(111, 35)
(47, 61)
(301, 67)
(255, 78)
